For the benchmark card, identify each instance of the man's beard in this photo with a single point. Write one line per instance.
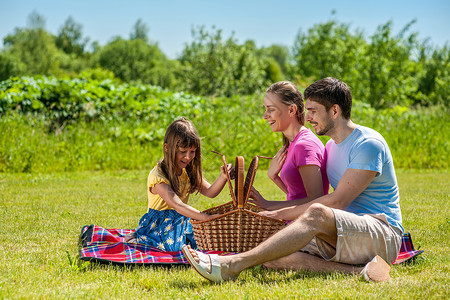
(328, 127)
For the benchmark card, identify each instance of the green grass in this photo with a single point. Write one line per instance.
(42, 214)
(136, 142)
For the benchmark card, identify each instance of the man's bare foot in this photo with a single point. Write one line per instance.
(376, 270)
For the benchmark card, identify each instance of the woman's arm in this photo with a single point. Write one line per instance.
(172, 199)
(212, 190)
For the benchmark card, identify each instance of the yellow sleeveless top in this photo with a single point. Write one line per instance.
(157, 176)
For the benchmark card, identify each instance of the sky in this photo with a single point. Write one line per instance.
(265, 22)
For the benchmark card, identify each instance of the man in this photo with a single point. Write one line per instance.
(356, 228)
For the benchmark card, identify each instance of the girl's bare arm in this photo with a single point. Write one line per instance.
(172, 199)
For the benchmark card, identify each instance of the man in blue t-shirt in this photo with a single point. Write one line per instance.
(354, 229)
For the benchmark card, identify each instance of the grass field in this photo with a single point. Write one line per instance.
(41, 217)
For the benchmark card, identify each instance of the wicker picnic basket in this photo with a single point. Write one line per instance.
(239, 228)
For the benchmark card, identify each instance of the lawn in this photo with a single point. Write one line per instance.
(42, 215)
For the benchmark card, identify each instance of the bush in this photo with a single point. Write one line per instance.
(110, 125)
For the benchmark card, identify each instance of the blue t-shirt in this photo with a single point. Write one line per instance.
(366, 149)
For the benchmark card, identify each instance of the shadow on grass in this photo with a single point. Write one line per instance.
(103, 265)
(191, 285)
(268, 276)
(260, 276)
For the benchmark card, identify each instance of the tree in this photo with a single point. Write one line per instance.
(35, 21)
(32, 50)
(70, 38)
(214, 66)
(434, 83)
(329, 49)
(10, 65)
(135, 60)
(391, 74)
(35, 49)
(139, 31)
(383, 72)
(280, 54)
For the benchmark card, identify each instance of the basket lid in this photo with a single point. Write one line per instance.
(250, 178)
(242, 188)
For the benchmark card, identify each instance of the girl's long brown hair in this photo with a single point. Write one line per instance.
(289, 94)
(182, 133)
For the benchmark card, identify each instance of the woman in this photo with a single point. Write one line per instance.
(299, 167)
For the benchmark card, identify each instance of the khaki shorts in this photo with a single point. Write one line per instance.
(359, 239)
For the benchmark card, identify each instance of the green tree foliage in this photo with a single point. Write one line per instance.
(386, 70)
(280, 54)
(136, 60)
(10, 65)
(70, 38)
(273, 70)
(32, 51)
(330, 49)
(434, 84)
(36, 20)
(211, 65)
(391, 74)
(35, 49)
(139, 31)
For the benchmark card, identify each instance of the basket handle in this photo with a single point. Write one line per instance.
(239, 177)
(233, 197)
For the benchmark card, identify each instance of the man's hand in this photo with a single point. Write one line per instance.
(269, 214)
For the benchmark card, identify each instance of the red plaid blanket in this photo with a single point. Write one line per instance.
(407, 251)
(106, 245)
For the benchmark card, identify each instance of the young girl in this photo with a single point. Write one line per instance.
(298, 168)
(166, 224)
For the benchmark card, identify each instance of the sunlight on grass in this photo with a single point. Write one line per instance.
(42, 215)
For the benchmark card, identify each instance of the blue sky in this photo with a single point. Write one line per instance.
(265, 22)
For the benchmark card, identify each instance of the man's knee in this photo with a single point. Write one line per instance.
(319, 212)
(318, 215)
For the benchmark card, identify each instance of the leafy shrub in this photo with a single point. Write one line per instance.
(62, 101)
(110, 125)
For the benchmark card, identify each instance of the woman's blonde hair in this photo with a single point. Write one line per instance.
(289, 94)
(182, 133)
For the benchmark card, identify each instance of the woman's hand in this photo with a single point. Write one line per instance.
(257, 199)
(276, 163)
